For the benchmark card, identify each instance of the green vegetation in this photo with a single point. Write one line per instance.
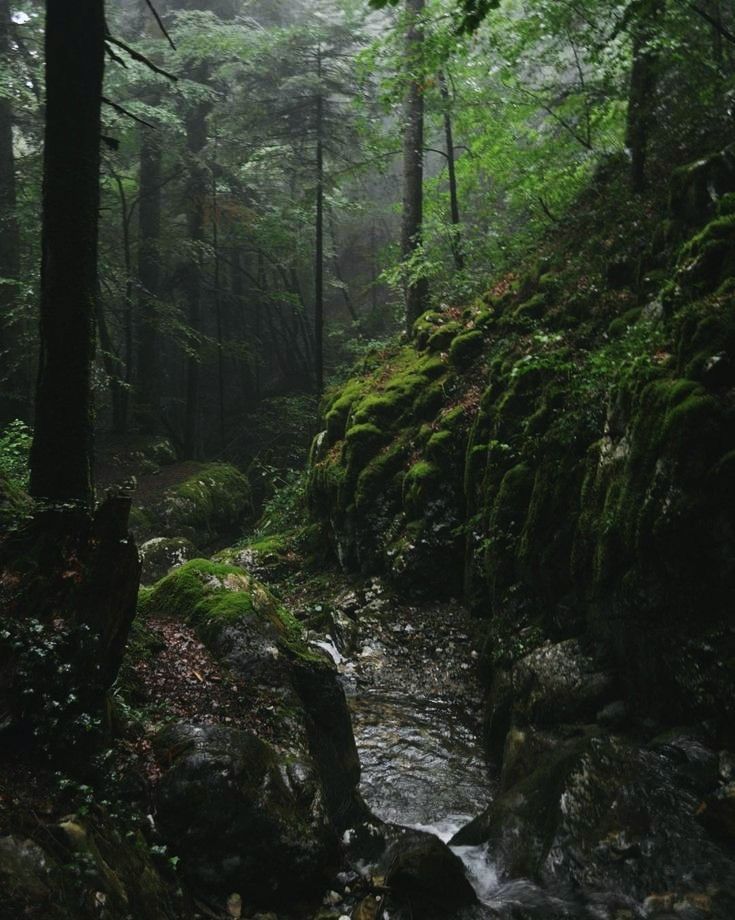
(212, 595)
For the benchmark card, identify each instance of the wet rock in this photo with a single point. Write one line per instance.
(718, 812)
(607, 816)
(526, 748)
(558, 683)
(242, 817)
(424, 875)
(161, 554)
(27, 874)
(614, 716)
(120, 873)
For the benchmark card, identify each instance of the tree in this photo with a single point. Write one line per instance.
(13, 402)
(416, 291)
(62, 453)
(645, 16)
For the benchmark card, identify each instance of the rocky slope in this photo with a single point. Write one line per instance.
(560, 454)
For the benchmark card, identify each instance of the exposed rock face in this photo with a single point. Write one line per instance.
(580, 436)
(243, 817)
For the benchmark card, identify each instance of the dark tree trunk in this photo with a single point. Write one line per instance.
(72, 574)
(643, 82)
(61, 457)
(14, 401)
(196, 193)
(413, 163)
(457, 251)
(319, 255)
(148, 380)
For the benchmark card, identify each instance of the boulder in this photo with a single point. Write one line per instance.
(161, 554)
(604, 816)
(558, 683)
(425, 876)
(212, 502)
(243, 817)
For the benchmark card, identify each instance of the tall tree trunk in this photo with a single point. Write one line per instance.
(416, 292)
(197, 193)
(319, 256)
(148, 380)
(13, 383)
(457, 251)
(643, 81)
(62, 453)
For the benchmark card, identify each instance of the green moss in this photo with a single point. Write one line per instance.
(214, 501)
(338, 412)
(533, 308)
(466, 347)
(709, 256)
(362, 442)
(620, 326)
(212, 595)
(376, 479)
(418, 484)
(441, 338)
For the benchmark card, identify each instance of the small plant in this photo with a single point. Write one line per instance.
(15, 447)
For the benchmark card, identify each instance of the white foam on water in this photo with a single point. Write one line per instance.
(481, 871)
(327, 645)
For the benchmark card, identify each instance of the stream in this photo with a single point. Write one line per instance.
(416, 705)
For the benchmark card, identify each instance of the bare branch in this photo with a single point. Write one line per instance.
(123, 111)
(141, 58)
(161, 26)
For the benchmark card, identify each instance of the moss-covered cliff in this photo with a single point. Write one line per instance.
(562, 452)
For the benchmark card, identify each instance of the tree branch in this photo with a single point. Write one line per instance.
(123, 111)
(725, 33)
(141, 58)
(158, 19)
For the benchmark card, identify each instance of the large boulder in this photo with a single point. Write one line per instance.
(305, 716)
(161, 554)
(242, 817)
(424, 876)
(209, 503)
(605, 816)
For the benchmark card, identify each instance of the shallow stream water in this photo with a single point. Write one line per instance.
(416, 705)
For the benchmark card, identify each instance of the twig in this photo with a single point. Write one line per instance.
(716, 24)
(115, 57)
(158, 19)
(141, 58)
(123, 111)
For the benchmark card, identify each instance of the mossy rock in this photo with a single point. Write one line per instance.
(161, 554)
(211, 596)
(212, 503)
(441, 338)
(466, 347)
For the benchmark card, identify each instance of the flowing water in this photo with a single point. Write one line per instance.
(416, 708)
